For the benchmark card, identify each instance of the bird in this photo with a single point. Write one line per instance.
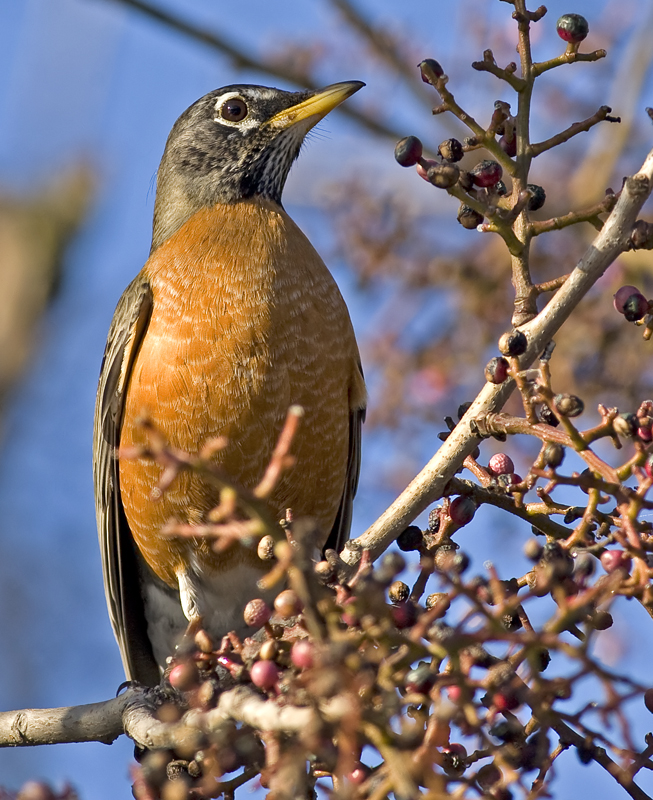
(233, 319)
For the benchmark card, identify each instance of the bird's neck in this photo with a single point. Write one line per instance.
(174, 206)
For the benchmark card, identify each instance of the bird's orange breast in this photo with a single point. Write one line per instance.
(246, 321)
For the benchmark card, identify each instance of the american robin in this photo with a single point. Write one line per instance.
(233, 319)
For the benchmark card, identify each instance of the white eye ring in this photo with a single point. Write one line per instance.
(245, 123)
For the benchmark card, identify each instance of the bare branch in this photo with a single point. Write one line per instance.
(573, 130)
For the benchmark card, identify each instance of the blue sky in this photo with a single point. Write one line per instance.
(90, 79)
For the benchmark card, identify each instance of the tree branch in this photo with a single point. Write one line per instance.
(429, 485)
(134, 713)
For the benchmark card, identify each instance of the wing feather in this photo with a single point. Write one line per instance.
(119, 561)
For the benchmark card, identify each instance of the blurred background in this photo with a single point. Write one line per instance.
(89, 90)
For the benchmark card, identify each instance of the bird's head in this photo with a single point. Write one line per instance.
(234, 143)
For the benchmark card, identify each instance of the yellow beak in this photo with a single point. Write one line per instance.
(317, 106)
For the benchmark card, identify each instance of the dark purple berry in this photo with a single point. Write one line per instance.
(465, 181)
(462, 510)
(488, 775)
(538, 197)
(508, 730)
(439, 599)
(444, 176)
(621, 295)
(626, 425)
(410, 539)
(421, 679)
(408, 151)
(548, 417)
(398, 592)
(404, 614)
(513, 343)
(430, 70)
(434, 519)
(533, 550)
(635, 307)
(601, 620)
(486, 173)
(469, 218)
(584, 565)
(451, 150)
(554, 455)
(568, 405)
(496, 370)
(572, 28)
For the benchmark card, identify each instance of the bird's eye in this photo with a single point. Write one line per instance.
(234, 110)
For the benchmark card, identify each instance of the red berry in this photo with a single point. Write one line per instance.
(645, 434)
(621, 295)
(349, 616)
(408, 151)
(501, 464)
(462, 510)
(184, 676)
(456, 749)
(496, 370)
(302, 654)
(264, 674)
(505, 700)
(614, 559)
(572, 28)
(509, 146)
(648, 466)
(455, 693)
(423, 168)
(486, 173)
(256, 613)
(404, 614)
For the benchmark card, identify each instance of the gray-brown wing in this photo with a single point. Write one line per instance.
(119, 560)
(342, 525)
